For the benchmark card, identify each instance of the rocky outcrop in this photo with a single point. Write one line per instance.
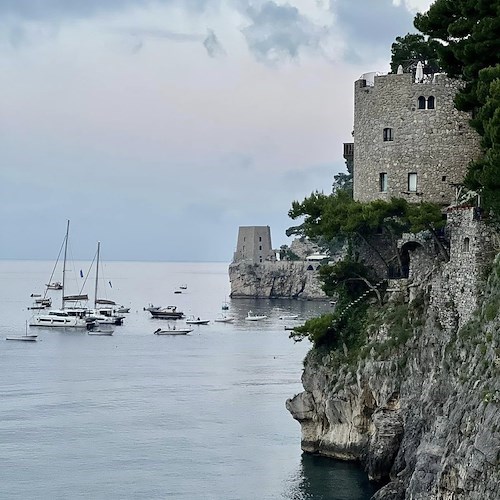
(285, 279)
(419, 406)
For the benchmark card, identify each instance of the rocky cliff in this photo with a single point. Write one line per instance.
(285, 279)
(419, 404)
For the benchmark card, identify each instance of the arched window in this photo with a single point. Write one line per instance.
(466, 245)
(421, 102)
(431, 101)
(388, 136)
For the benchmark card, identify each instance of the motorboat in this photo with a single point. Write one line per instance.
(40, 303)
(102, 329)
(254, 317)
(173, 331)
(122, 310)
(223, 318)
(169, 312)
(196, 321)
(289, 316)
(56, 285)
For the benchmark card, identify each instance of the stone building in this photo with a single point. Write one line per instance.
(409, 140)
(254, 244)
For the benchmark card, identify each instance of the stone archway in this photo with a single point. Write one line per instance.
(408, 247)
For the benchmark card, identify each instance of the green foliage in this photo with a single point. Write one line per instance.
(342, 182)
(346, 279)
(287, 254)
(411, 48)
(469, 48)
(332, 333)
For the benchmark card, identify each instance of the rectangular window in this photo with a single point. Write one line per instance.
(412, 182)
(383, 182)
(388, 134)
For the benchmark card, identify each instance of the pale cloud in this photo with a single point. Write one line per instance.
(114, 116)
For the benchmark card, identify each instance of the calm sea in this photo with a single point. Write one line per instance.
(138, 416)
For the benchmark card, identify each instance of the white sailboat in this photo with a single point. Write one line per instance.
(27, 337)
(74, 317)
(103, 312)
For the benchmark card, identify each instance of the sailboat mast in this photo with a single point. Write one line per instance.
(64, 263)
(96, 274)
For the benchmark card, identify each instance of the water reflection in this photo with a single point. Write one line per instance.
(320, 478)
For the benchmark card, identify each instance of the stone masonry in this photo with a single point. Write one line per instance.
(409, 140)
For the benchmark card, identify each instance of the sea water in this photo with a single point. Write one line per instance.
(141, 416)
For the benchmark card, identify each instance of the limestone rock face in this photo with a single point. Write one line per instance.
(275, 280)
(423, 414)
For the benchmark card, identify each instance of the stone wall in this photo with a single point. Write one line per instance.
(436, 144)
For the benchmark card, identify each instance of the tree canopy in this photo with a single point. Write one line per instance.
(469, 48)
(411, 48)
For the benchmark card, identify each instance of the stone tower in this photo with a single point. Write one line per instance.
(409, 140)
(254, 244)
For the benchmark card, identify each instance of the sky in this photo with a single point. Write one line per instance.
(158, 127)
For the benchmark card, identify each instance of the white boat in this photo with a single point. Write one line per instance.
(169, 312)
(27, 337)
(196, 321)
(223, 318)
(183, 287)
(289, 316)
(173, 331)
(122, 309)
(56, 285)
(225, 306)
(102, 329)
(254, 317)
(103, 311)
(74, 317)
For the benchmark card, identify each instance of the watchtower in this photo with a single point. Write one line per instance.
(409, 139)
(254, 244)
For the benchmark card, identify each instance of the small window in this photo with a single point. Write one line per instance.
(383, 182)
(421, 102)
(466, 245)
(443, 178)
(260, 238)
(431, 102)
(388, 136)
(412, 182)
(260, 247)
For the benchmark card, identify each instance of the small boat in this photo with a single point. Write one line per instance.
(225, 306)
(196, 321)
(173, 331)
(183, 287)
(289, 316)
(169, 312)
(56, 285)
(223, 318)
(102, 329)
(27, 337)
(122, 309)
(177, 291)
(254, 317)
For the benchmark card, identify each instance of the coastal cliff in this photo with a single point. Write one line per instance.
(417, 401)
(418, 405)
(285, 279)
